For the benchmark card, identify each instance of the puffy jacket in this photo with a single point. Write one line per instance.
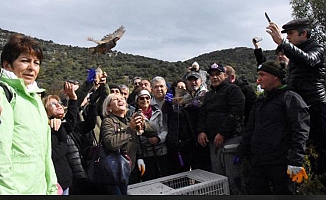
(74, 160)
(60, 146)
(26, 166)
(277, 129)
(59, 152)
(306, 74)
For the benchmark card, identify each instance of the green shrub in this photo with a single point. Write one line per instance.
(312, 186)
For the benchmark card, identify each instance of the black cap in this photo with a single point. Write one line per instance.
(217, 67)
(272, 67)
(295, 24)
(114, 86)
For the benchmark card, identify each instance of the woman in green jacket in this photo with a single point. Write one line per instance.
(25, 138)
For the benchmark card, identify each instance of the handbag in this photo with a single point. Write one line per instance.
(108, 167)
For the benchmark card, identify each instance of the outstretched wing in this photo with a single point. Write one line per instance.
(96, 41)
(117, 33)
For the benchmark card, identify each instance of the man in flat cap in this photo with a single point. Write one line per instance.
(275, 136)
(306, 76)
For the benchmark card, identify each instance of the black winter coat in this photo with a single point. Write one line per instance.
(277, 129)
(60, 146)
(74, 159)
(260, 57)
(222, 111)
(250, 96)
(182, 123)
(59, 152)
(306, 74)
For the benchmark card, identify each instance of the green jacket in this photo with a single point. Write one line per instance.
(25, 143)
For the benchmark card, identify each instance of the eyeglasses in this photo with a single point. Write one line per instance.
(55, 104)
(143, 98)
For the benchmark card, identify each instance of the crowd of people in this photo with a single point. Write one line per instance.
(210, 120)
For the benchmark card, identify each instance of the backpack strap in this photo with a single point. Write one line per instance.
(7, 92)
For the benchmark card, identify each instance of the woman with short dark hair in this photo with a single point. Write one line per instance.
(25, 141)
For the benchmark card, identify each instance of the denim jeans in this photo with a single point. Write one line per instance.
(65, 192)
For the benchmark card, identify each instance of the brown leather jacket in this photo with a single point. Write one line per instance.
(118, 135)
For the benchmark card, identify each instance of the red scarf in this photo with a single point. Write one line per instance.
(148, 113)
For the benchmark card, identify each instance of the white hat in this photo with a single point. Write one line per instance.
(195, 64)
(141, 93)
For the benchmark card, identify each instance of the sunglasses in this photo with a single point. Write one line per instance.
(143, 98)
(55, 104)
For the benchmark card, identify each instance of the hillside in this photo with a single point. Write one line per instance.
(64, 62)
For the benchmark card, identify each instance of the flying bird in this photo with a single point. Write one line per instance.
(108, 42)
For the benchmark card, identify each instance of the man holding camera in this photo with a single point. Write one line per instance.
(306, 76)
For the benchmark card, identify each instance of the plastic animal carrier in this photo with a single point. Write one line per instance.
(195, 182)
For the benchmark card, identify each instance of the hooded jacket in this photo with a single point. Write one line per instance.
(26, 166)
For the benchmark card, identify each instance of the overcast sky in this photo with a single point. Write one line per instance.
(169, 30)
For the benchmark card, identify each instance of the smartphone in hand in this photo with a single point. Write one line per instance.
(268, 19)
(138, 128)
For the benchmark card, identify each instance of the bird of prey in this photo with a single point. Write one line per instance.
(108, 42)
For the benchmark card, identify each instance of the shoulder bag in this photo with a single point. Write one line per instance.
(108, 167)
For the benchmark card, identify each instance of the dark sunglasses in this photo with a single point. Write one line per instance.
(143, 98)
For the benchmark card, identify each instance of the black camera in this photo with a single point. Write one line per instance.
(257, 39)
(193, 69)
